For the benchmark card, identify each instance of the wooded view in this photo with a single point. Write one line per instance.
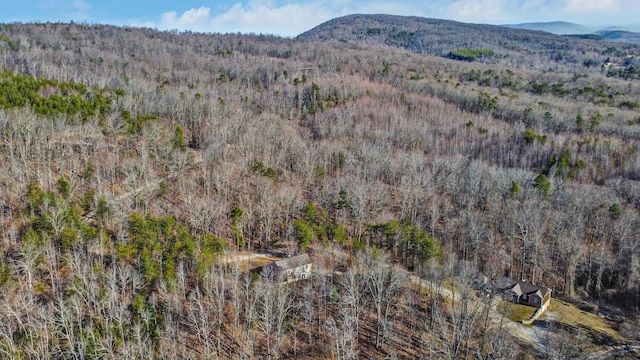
(135, 160)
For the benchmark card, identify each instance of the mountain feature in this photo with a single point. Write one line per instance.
(629, 34)
(554, 27)
(515, 47)
(620, 35)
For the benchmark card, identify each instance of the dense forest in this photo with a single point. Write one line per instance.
(134, 160)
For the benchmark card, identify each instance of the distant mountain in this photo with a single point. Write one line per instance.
(424, 35)
(630, 28)
(554, 27)
(630, 33)
(620, 35)
(514, 47)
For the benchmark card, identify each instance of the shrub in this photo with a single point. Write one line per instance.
(531, 136)
(543, 184)
(630, 104)
(178, 139)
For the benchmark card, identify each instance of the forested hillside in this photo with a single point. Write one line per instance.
(133, 159)
(511, 47)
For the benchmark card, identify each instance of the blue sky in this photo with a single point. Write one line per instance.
(291, 17)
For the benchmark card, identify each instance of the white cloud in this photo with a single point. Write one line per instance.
(591, 6)
(259, 16)
(510, 11)
(504, 11)
(197, 19)
(81, 5)
(482, 11)
(531, 7)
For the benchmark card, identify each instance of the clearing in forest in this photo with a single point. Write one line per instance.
(248, 260)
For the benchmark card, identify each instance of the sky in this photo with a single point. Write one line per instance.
(291, 17)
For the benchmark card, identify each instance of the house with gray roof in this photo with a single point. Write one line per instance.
(520, 292)
(290, 269)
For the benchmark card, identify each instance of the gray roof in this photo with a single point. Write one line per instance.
(521, 287)
(293, 262)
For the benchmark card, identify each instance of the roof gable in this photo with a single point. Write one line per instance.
(528, 288)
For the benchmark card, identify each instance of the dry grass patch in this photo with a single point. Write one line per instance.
(248, 260)
(567, 315)
(516, 312)
(261, 261)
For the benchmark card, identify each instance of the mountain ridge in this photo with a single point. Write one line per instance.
(554, 27)
(620, 36)
(629, 33)
(516, 47)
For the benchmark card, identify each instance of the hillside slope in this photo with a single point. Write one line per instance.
(620, 35)
(519, 48)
